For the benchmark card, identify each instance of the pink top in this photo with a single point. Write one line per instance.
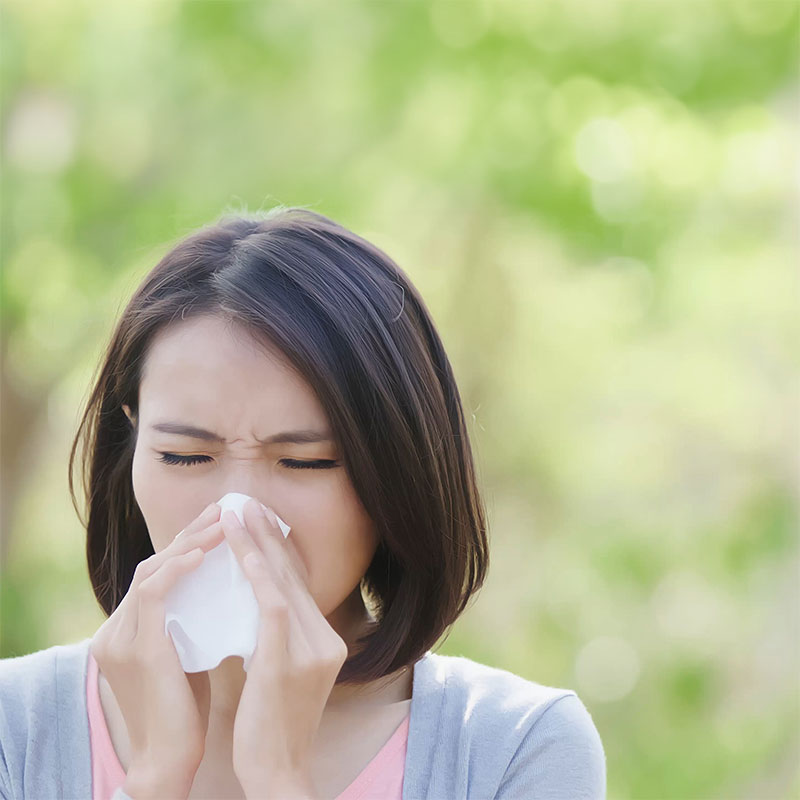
(381, 779)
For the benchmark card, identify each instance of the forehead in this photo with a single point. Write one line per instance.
(207, 369)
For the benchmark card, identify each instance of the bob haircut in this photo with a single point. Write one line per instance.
(354, 327)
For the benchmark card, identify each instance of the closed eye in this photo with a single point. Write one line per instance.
(320, 463)
(289, 463)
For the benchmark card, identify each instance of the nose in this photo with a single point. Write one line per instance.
(246, 480)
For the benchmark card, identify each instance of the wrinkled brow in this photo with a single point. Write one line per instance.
(303, 436)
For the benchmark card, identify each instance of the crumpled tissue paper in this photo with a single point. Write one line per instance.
(212, 612)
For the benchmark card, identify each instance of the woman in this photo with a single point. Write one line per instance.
(288, 359)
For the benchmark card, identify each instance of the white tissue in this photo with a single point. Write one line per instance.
(212, 612)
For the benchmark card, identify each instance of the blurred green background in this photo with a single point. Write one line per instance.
(596, 200)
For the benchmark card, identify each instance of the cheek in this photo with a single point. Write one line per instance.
(165, 513)
(336, 558)
(144, 486)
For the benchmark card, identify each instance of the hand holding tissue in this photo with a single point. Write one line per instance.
(212, 612)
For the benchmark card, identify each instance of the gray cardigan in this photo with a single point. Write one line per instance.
(475, 732)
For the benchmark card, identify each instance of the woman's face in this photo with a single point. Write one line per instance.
(206, 374)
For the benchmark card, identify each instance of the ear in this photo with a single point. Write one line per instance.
(128, 414)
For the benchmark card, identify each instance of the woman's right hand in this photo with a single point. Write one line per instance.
(165, 709)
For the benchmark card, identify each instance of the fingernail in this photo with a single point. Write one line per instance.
(271, 516)
(230, 518)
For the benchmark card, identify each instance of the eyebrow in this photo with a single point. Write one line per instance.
(304, 436)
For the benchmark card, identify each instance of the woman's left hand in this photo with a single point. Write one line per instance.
(294, 666)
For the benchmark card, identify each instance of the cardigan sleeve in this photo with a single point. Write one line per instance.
(5, 777)
(5, 784)
(560, 758)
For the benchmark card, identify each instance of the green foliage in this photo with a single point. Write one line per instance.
(595, 200)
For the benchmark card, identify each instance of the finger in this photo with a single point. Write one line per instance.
(274, 645)
(208, 515)
(238, 537)
(125, 618)
(277, 553)
(263, 526)
(267, 585)
(299, 635)
(151, 634)
(124, 621)
(282, 558)
(206, 539)
(260, 546)
(127, 614)
(281, 629)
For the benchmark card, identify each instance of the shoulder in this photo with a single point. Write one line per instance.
(19, 672)
(543, 737)
(491, 691)
(41, 706)
(30, 682)
(24, 677)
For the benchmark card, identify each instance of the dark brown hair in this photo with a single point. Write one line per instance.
(352, 324)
